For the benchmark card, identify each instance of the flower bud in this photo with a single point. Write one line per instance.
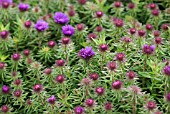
(112, 66)
(4, 108)
(151, 105)
(71, 12)
(120, 57)
(149, 27)
(92, 36)
(132, 30)
(156, 33)
(158, 40)
(155, 12)
(2, 65)
(28, 101)
(165, 26)
(117, 4)
(82, 2)
(80, 26)
(152, 6)
(48, 71)
(78, 110)
(108, 106)
(27, 24)
(51, 100)
(26, 52)
(5, 89)
(94, 76)
(17, 93)
(5, 5)
(4, 34)
(99, 14)
(141, 33)
(37, 88)
(117, 85)
(148, 49)
(60, 78)
(131, 75)
(65, 40)
(126, 39)
(16, 56)
(118, 22)
(166, 70)
(51, 44)
(131, 5)
(99, 90)
(99, 28)
(17, 82)
(103, 47)
(60, 63)
(89, 102)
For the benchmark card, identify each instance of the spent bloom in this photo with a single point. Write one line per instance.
(61, 18)
(68, 30)
(23, 7)
(51, 100)
(86, 53)
(148, 49)
(41, 25)
(78, 110)
(135, 89)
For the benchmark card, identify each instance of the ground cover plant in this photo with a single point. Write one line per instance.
(84, 57)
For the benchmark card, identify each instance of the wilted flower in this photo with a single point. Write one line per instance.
(51, 100)
(86, 53)
(78, 110)
(61, 18)
(23, 7)
(166, 70)
(68, 30)
(41, 25)
(126, 39)
(86, 81)
(5, 89)
(135, 89)
(158, 112)
(117, 85)
(148, 49)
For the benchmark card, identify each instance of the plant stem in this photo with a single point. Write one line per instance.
(134, 103)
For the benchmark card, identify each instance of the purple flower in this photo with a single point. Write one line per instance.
(78, 110)
(7, 1)
(148, 49)
(168, 97)
(23, 7)
(61, 18)
(5, 89)
(86, 53)
(166, 70)
(51, 100)
(41, 25)
(68, 30)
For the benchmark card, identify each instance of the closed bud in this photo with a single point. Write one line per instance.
(2, 65)
(103, 47)
(99, 14)
(132, 30)
(94, 76)
(4, 34)
(80, 26)
(108, 106)
(131, 5)
(89, 102)
(117, 85)
(48, 71)
(16, 56)
(158, 40)
(155, 12)
(99, 90)
(120, 57)
(5, 5)
(4, 108)
(60, 78)
(60, 63)
(149, 27)
(117, 4)
(156, 33)
(141, 33)
(17, 93)
(37, 88)
(26, 52)
(27, 24)
(51, 44)
(65, 40)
